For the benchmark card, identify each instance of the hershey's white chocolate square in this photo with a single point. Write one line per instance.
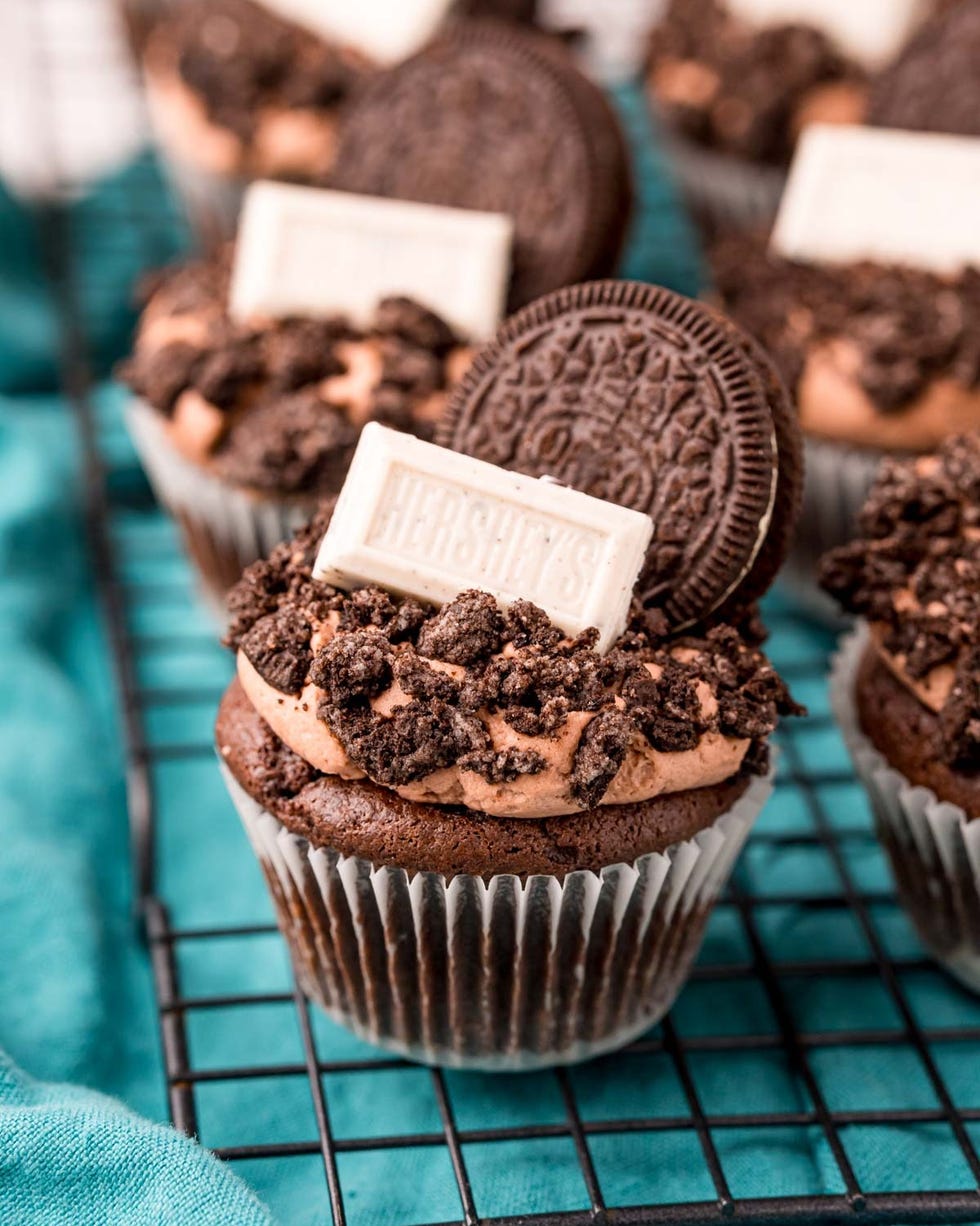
(870, 31)
(304, 251)
(875, 194)
(384, 30)
(426, 522)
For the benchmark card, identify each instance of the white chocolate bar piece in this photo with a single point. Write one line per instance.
(386, 31)
(304, 251)
(870, 31)
(874, 194)
(423, 521)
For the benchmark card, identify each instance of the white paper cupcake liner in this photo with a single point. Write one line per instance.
(933, 847)
(498, 974)
(838, 481)
(224, 528)
(723, 192)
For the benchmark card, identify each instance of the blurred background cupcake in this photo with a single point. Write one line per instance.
(247, 412)
(733, 97)
(906, 686)
(880, 358)
(236, 93)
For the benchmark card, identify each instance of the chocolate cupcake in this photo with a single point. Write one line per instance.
(880, 360)
(243, 427)
(238, 93)
(907, 686)
(734, 97)
(489, 844)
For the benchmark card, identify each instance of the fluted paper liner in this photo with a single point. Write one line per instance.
(838, 481)
(724, 192)
(501, 973)
(933, 847)
(225, 528)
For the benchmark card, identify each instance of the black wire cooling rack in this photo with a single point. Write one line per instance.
(813, 1055)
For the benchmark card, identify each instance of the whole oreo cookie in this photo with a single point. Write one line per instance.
(636, 395)
(496, 117)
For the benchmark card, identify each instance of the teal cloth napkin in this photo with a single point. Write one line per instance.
(75, 1000)
(70, 1157)
(76, 1005)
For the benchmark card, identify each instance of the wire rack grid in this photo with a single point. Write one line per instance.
(814, 1053)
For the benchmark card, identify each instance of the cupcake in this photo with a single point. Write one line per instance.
(496, 117)
(906, 686)
(490, 844)
(243, 427)
(236, 93)
(734, 97)
(881, 360)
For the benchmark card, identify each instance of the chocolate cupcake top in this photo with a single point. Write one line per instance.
(897, 335)
(934, 85)
(630, 394)
(914, 574)
(743, 90)
(270, 87)
(278, 406)
(502, 714)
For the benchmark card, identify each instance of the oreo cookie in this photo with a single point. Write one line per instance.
(639, 396)
(497, 117)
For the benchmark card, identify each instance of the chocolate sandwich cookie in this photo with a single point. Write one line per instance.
(496, 118)
(934, 85)
(511, 10)
(639, 396)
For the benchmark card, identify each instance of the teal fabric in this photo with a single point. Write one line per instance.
(75, 1001)
(76, 1005)
(71, 1157)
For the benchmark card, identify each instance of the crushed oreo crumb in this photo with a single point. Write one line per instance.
(503, 766)
(906, 326)
(736, 88)
(468, 630)
(290, 424)
(242, 60)
(519, 667)
(278, 648)
(599, 756)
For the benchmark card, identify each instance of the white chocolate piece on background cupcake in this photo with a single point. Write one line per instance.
(858, 193)
(386, 31)
(869, 31)
(427, 522)
(305, 251)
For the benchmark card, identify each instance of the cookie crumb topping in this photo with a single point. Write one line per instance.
(284, 390)
(907, 326)
(915, 573)
(451, 669)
